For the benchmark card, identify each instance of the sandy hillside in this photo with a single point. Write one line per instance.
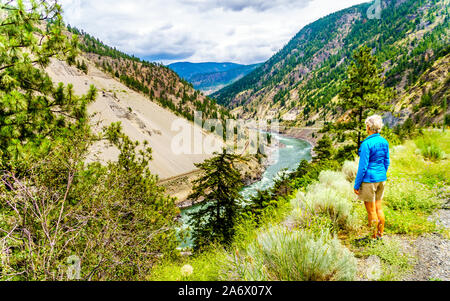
(145, 121)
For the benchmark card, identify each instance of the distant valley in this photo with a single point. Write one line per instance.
(211, 77)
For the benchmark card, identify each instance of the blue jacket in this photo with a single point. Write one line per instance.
(373, 162)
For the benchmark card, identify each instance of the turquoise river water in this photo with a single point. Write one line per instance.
(287, 157)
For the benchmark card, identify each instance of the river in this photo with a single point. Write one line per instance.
(288, 156)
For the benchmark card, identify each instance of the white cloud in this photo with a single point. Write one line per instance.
(241, 31)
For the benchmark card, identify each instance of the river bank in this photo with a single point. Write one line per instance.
(253, 171)
(284, 154)
(310, 135)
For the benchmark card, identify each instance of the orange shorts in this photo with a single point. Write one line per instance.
(371, 192)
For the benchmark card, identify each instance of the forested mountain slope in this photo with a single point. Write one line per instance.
(212, 82)
(301, 82)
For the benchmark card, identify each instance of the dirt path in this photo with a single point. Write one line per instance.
(429, 254)
(432, 252)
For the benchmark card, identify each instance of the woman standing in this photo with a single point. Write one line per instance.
(372, 174)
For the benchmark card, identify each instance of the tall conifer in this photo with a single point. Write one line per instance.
(218, 189)
(362, 93)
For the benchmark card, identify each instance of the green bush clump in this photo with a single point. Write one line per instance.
(432, 152)
(114, 219)
(429, 148)
(410, 195)
(281, 254)
(308, 173)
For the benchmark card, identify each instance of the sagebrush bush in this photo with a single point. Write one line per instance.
(336, 181)
(281, 254)
(331, 197)
(350, 169)
(324, 200)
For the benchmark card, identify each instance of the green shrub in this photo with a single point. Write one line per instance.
(326, 201)
(429, 148)
(307, 173)
(426, 100)
(407, 161)
(408, 222)
(114, 218)
(280, 254)
(432, 152)
(392, 136)
(336, 181)
(402, 194)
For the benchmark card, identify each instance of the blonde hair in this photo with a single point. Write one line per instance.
(375, 123)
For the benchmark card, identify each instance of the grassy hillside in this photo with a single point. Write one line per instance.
(321, 219)
(300, 83)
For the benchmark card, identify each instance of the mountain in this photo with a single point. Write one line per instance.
(210, 77)
(187, 69)
(301, 82)
(146, 98)
(156, 81)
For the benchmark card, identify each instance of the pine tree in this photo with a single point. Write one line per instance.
(53, 204)
(84, 67)
(218, 189)
(259, 203)
(31, 108)
(362, 93)
(324, 149)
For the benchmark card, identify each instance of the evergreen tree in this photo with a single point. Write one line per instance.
(84, 67)
(115, 217)
(362, 93)
(261, 201)
(324, 149)
(31, 108)
(219, 189)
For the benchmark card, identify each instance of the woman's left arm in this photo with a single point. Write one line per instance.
(363, 165)
(387, 159)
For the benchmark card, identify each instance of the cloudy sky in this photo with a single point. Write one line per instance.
(240, 31)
